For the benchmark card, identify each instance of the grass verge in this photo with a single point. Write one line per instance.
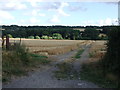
(94, 73)
(17, 61)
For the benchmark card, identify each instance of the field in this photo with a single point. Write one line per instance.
(97, 50)
(51, 47)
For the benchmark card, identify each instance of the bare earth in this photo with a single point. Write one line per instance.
(44, 78)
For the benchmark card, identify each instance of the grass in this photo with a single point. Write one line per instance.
(39, 59)
(66, 71)
(91, 55)
(17, 61)
(94, 73)
(51, 47)
(79, 53)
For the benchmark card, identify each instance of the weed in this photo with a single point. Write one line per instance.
(91, 55)
(79, 53)
(93, 72)
(66, 71)
(17, 60)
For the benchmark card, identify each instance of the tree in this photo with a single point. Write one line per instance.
(111, 60)
(31, 37)
(10, 36)
(91, 33)
(57, 36)
(44, 37)
(37, 37)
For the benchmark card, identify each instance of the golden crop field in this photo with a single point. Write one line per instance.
(97, 50)
(51, 47)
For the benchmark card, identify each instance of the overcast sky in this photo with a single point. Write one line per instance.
(37, 12)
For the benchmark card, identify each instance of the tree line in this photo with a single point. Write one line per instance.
(67, 32)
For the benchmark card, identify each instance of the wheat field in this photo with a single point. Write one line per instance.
(50, 47)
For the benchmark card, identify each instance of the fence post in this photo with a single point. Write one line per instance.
(3, 41)
(20, 40)
(7, 42)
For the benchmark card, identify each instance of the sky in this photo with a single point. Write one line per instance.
(60, 12)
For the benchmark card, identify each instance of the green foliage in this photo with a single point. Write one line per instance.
(31, 37)
(91, 54)
(18, 60)
(10, 36)
(50, 37)
(67, 32)
(66, 71)
(111, 61)
(57, 36)
(44, 37)
(37, 37)
(93, 72)
(91, 33)
(38, 59)
(79, 53)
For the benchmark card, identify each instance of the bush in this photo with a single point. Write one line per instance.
(44, 37)
(111, 60)
(31, 37)
(13, 62)
(37, 37)
(17, 61)
(91, 33)
(10, 36)
(50, 37)
(57, 36)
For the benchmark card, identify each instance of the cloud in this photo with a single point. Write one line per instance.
(4, 15)
(34, 3)
(9, 6)
(34, 20)
(54, 19)
(61, 12)
(77, 8)
(57, 7)
(107, 21)
(114, 3)
(42, 14)
(34, 12)
(22, 21)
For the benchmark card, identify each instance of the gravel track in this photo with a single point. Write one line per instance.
(45, 79)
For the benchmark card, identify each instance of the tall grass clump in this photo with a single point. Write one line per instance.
(13, 61)
(17, 60)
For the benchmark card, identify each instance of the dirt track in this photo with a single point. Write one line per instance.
(46, 79)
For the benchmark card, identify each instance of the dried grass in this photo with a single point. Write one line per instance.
(51, 47)
(97, 50)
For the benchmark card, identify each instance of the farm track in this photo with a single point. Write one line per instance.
(45, 79)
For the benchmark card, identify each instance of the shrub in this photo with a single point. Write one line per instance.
(44, 37)
(37, 37)
(57, 36)
(10, 36)
(31, 37)
(17, 61)
(111, 60)
(50, 37)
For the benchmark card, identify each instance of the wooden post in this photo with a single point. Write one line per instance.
(20, 40)
(7, 42)
(3, 41)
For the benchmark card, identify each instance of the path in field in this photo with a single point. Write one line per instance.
(46, 79)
